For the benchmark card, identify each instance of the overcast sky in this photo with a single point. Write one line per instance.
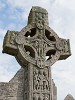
(13, 16)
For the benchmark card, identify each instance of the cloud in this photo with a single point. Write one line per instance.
(7, 68)
(61, 20)
(7, 62)
(2, 5)
(2, 32)
(27, 4)
(11, 26)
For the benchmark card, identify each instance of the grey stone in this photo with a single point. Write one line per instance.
(69, 97)
(36, 48)
(13, 90)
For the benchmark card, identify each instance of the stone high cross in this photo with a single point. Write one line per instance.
(36, 48)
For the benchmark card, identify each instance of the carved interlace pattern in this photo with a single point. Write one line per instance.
(41, 84)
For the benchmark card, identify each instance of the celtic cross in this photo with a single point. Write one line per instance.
(36, 47)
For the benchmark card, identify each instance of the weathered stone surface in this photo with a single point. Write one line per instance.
(13, 90)
(69, 97)
(9, 46)
(36, 48)
(4, 90)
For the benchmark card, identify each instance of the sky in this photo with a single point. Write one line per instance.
(61, 13)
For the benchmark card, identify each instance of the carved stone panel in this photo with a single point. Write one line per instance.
(41, 84)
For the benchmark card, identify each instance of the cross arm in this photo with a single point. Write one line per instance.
(9, 44)
(65, 52)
